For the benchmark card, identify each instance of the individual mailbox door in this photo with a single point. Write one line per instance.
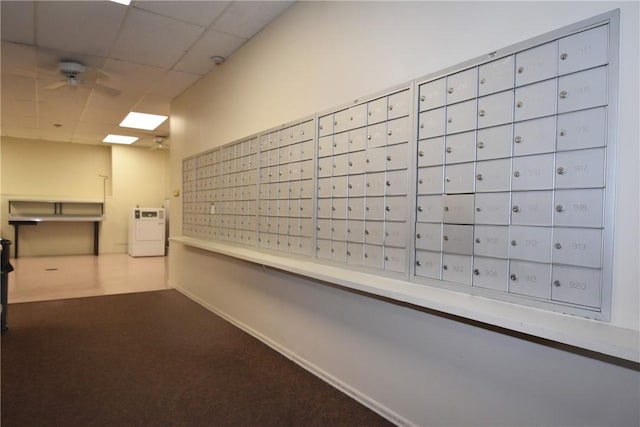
(457, 268)
(399, 104)
(339, 186)
(264, 142)
(273, 207)
(375, 159)
(460, 148)
(323, 249)
(375, 185)
(428, 264)
(395, 234)
(294, 208)
(306, 189)
(495, 109)
(324, 208)
(374, 232)
(458, 208)
(306, 208)
(461, 117)
(494, 142)
(576, 285)
(305, 226)
(490, 273)
(530, 243)
(324, 187)
(340, 143)
(377, 135)
(325, 166)
(536, 64)
(578, 208)
(532, 172)
(433, 94)
(431, 123)
(462, 86)
(355, 208)
(429, 209)
(531, 207)
(356, 185)
(585, 89)
(397, 156)
(457, 239)
(496, 76)
(355, 253)
(357, 116)
(581, 129)
(374, 208)
(283, 154)
(274, 156)
(373, 256)
(264, 207)
(491, 240)
(325, 146)
(583, 168)
(395, 259)
(294, 171)
(537, 100)
(305, 245)
(530, 278)
(577, 246)
(431, 152)
(396, 183)
(396, 208)
(584, 50)
(459, 178)
(340, 164)
(493, 175)
(355, 231)
(377, 110)
(306, 169)
(357, 162)
(339, 208)
(305, 131)
(429, 236)
(294, 152)
(283, 190)
(325, 125)
(306, 150)
(492, 208)
(534, 136)
(430, 180)
(398, 130)
(283, 207)
(357, 139)
(283, 225)
(341, 121)
(339, 229)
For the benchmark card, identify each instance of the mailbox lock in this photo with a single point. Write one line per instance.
(560, 170)
(388, 183)
(386, 258)
(446, 208)
(516, 174)
(558, 246)
(348, 253)
(449, 149)
(478, 209)
(481, 113)
(514, 243)
(564, 94)
(447, 179)
(516, 208)
(366, 232)
(369, 137)
(366, 255)
(520, 70)
(450, 120)
(421, 153)
(422, 98)
(563, 56)
(476, 272)
(389, 132)
(563, 132)
(481, 144)
(418, 236)
(477, 240)
(519, 104)
(559, 208)
(479, 177)
(350, 163)
(349, 208)
(390, 107)
(388, 158)
(445, 238)
(335, 123)
(350, 185)
(419, 208)
(513, 277)
(418, 263)
(450, 90)
(444, 267)
(421, 125)
(387, 208)
(556, 283)
(482, 81)
(517, 139)
(420, 181)
(367, 161)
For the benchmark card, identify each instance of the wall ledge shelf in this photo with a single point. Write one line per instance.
(587, 334)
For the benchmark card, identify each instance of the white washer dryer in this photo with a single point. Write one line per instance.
(146, 232)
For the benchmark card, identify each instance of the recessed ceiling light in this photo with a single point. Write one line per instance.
(124, 2)
(142, 121)
(120, 139)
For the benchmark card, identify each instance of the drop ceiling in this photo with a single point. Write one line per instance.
(151, 50)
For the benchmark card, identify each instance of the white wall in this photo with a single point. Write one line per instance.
(424, 367)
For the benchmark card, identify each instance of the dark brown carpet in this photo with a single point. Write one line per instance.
(154, 359)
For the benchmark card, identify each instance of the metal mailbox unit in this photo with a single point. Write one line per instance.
(524, 141)
(494, 177)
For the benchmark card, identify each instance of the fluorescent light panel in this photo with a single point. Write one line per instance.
(120, 139)
(142, 121)
(124, 2)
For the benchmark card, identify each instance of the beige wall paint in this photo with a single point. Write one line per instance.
(34, 169)
(422, 367)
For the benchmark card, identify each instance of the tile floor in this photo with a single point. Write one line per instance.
(61, 277)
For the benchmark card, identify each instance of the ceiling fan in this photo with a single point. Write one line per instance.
(75, 74)
(161, 143)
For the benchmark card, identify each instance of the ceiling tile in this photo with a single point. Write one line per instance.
(200, 13)
(173, 83)
(153, 105)
(18, 88)
(245, 18)
(130, 78)
(151, 39)
(87, 27)
(18, 59)
(197, 60)
(17, 21)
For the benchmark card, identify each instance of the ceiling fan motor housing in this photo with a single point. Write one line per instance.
(71, 70)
